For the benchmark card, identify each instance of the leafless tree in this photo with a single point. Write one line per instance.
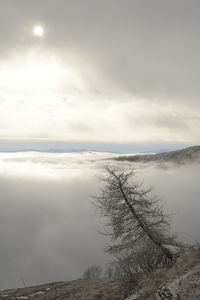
(93, 272)
(135, 222)
(131, 263)
(111, 270)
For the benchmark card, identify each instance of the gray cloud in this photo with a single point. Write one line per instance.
(146, 48)
(48, 231)
(178, 188)
(139, 52)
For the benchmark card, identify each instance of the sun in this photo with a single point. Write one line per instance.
(38, 30)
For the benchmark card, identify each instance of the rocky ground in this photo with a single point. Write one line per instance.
(181, 282)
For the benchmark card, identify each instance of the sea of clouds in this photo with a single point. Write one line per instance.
(48, 225)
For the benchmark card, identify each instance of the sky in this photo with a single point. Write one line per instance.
(49, 230)
(104, 74)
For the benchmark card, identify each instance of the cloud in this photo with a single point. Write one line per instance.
(147, 49)
(48, 227)
(178, 188)
(119, 56)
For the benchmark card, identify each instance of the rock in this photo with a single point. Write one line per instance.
(164, 293)
(186, 286)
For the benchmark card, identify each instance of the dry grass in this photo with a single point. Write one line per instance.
(153, 281)
(82, 289)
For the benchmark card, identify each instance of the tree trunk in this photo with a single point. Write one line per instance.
(166, 251)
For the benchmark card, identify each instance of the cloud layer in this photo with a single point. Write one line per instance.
(48, 227)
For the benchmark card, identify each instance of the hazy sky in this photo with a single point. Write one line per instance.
(103, 72)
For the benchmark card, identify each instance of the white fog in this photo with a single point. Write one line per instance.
(48, 226)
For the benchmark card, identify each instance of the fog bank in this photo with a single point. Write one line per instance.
(48, 227)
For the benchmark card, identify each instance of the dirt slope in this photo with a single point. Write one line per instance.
(90, 289)
(180, 282)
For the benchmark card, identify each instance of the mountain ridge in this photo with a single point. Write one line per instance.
(188, 154)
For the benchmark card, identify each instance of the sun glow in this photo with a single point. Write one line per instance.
(32, 76)
(38, 31)
(38, 71)
(38, 89)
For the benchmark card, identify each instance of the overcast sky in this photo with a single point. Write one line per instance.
(103, 72)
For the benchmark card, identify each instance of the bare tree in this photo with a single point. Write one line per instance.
(110, 271)
(130, 263)
(135, 222)
(93, 272)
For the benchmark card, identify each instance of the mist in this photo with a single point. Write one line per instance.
(48, 225)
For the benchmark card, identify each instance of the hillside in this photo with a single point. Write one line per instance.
(83, 289)
(189, 154)
(181, 282)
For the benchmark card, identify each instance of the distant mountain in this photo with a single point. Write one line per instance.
(179, 156)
